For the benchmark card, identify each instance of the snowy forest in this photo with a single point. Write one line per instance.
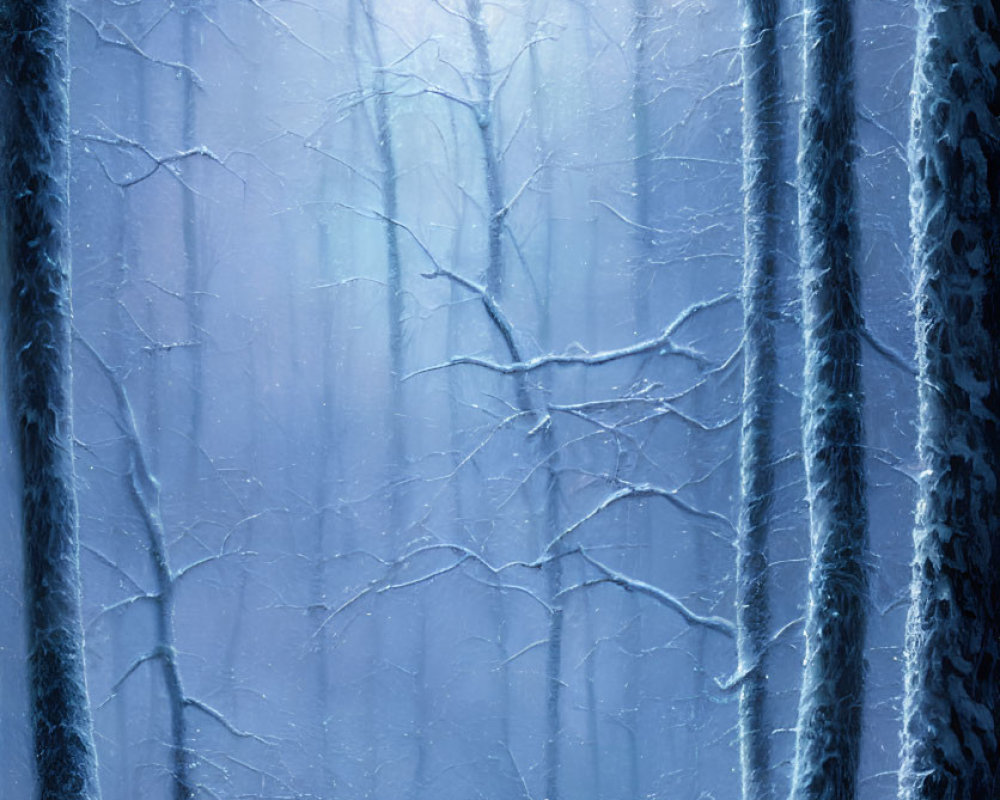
(502, 399)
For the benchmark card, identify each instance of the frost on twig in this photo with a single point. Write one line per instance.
(714, 623)
(663, 345)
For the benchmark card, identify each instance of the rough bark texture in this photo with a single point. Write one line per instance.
(830, 704)
(953, 632)
(762, 147)
(33, 43)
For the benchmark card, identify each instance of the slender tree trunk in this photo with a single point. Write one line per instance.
(394, 291)
(549, 445)
(641, 277)
(642, 157)
(762, 148)
(394, 270)
(35, 53)
(554, 584)
(144, 490)
(540, 101)
(125, 258)
(325, 495)
(638, 534)
(256, 457)
(486, 119)
(830, 704)
(497, 605)
(193, 278)
(951, 711)
(593, 738)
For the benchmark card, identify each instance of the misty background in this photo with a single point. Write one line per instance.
(390, 565)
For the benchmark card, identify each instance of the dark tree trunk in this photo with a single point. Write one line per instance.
(951, 716)
(762, 148)
(830, 705)
(34, 43)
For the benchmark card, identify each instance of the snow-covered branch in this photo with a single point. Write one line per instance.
(662, 344)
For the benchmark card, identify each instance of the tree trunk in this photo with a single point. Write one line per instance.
(642, 156)
(762, 148)
(389, 185)
(951, 711)
(830, 704)
(34, 41)
(485, 113)
(144, 490)
(554, 585)
(194, 280)
(394, 271)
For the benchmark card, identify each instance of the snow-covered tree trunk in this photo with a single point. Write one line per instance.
(951, 704)
(35, 53)
(762, 147)
(830, 703)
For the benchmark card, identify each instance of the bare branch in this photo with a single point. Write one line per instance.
(201, 562)
(626, 220)
(636, 491)
(736, 680)
(157, 162)
(889, 354)
(225, 723)
(110, 34)
(120, 605)
(150, 656)
(493, 310)
(503, 212)
(287, 29)
(717, 624)
(522, 651)
(112, 565)
(662, 343)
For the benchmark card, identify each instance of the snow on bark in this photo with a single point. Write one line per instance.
(950, 712)
(830, 703)
(761, 158)
(34, 44)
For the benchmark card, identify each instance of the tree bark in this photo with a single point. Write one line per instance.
(34, 42)
(830, 704)
(951, 713)
(762, 149)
